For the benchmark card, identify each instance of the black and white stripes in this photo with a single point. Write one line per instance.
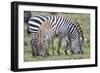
(61, 26)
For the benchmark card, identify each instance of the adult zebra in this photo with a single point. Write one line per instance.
(61, 26)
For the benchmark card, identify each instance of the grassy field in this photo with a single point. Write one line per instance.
(84, 21)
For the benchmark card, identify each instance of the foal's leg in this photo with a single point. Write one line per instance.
(52, 45)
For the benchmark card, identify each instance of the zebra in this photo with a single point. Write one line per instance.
(33, 27)
(61, 26)
(44, 36)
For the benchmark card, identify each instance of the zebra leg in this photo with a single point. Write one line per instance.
(46, 51)
(66, 47)
(59, 45)
(82, 52)
(34, 49)
(68, 44)
(52, 46)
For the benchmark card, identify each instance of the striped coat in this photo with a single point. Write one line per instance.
(61, 26)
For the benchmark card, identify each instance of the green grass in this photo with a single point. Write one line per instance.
(28, 56)
(84, 21)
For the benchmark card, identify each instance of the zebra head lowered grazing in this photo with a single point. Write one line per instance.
(77, 39)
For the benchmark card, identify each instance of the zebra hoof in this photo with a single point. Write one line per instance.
(58, 53)
(66, 53)
(47, 54)
(33, 54)
(71, 51)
